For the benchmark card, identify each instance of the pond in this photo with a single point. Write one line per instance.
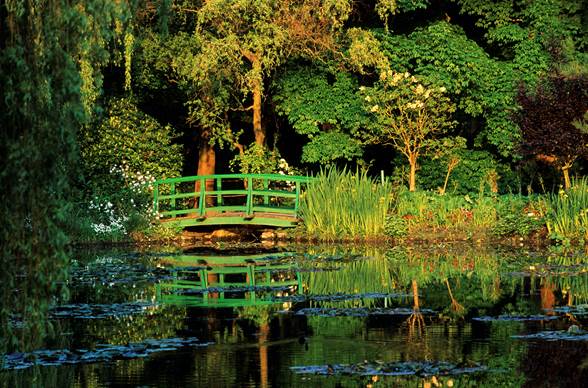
(328, 316)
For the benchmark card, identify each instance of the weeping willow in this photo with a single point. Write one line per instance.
(43, 48)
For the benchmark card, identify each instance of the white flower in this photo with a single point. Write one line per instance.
(442, 89)
(375, 108)
(368, 98)
(419, 89)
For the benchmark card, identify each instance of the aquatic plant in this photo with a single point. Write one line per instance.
(567, 213)
(339, 204)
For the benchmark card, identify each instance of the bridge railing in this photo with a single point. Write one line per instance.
(205, 195)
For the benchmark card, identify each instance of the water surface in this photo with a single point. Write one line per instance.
(328, 316)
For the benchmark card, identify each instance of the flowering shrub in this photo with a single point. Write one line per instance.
(134, 144)
(122, 156)
(113, 216)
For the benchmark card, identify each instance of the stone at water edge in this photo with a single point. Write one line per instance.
(268, 235)
(223, 234)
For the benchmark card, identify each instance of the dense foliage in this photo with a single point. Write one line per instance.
(547, 120)
(464, 91)
(50, 57)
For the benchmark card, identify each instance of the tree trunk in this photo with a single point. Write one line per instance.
(258, 130)
(566, 173)
(412, 160)
(206, 163)
(256, 90)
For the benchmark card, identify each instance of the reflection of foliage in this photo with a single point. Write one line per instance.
(259, 315)
(347, 327)
(160, 322)
(361, 276)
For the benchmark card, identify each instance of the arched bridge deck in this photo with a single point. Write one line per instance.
(229, 199)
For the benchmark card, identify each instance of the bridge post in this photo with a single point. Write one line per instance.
(201, 201)
(249, 208)
(173, 200)
(297, 200)
(156, 198)
(266, 188)
(219, 197)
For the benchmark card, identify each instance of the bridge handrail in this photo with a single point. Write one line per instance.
(249, 208)
(193, 178)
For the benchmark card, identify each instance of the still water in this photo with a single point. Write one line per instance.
(316, 316)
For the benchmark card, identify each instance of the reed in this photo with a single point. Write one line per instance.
(340, 205)
(567, 213)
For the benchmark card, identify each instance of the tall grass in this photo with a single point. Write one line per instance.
(339, 204)
(567, 213)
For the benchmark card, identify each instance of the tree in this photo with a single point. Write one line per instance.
(51, 54)
(482, 87)
(326, 107)
(409, 115)
(253, 38)
(547, 117)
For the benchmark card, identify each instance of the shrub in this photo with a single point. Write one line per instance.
(475, 169)
(519, 216)
(132, 140)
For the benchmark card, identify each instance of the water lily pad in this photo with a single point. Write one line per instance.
(359, 312)
(337, 297)
(102, 353)
(561, 335)
(97, 311)
(581, 309)
(416, 368)
(516, 318)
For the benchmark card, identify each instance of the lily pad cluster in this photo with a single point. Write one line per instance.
(560, 335)
(103, 353)
(516, 318)
(359, 312)
(98, 311)
(581, 309)
(116, 272)
(408, 368)
(338, 297)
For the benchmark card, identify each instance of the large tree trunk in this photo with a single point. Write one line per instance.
(258, 130)
(206, 163)
(412, 160)
(256, 90)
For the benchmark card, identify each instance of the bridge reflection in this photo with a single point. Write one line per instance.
(228, 281)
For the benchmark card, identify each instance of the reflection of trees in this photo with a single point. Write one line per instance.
(469, 276)
(40, 376)
(416, 322)
(455, 306)
(360, 276)
(156, 323)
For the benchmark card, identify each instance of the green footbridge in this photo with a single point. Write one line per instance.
(229, 199)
